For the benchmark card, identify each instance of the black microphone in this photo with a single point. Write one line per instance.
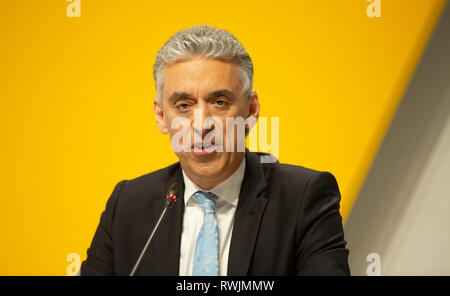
(171, 197)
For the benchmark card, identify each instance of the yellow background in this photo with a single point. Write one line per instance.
(76, 100)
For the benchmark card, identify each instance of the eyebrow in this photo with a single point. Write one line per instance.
(221, 93)
(175, 96)
(179, 95)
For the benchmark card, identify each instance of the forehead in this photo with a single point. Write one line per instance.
(200, 75)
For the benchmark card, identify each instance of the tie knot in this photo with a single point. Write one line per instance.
(207, 201)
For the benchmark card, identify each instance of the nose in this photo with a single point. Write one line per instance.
(203, 122)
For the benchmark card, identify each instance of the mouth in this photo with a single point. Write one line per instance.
(200, 149)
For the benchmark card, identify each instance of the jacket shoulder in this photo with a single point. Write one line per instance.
(289, 179)
(295, 172)
(155, 176)
(151, 185)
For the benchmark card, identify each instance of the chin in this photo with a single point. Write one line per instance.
(207, 170)
(204, 168)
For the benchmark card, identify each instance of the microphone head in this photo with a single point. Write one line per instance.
(172, 193)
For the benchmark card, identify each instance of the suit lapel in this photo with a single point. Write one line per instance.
(248, 216)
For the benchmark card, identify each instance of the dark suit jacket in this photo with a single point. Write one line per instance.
(287, 223)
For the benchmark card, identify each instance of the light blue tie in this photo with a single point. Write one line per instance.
(206, 255)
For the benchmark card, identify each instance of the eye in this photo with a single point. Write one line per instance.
(182, 107)
(221, 103)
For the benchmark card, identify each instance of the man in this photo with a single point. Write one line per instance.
(236, 214)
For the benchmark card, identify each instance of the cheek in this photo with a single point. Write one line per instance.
(242, 108)
(180, 133)
(234, 136)
(175, 123)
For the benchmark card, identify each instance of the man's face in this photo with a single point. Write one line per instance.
(213, 87)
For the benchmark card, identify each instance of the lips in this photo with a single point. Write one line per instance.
(202, 149)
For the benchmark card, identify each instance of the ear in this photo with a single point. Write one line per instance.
(253, 107)
(159, 117)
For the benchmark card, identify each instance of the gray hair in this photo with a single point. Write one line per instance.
(205, 41)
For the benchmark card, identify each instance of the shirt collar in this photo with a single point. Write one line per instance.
(228, 190)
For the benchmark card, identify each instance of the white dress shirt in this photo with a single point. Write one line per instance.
(228, 193)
